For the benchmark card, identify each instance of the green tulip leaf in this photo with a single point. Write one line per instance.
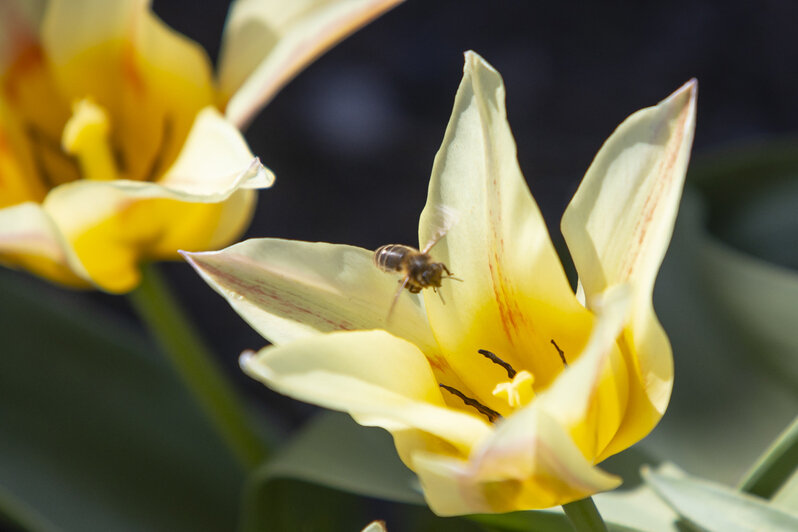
(716, 508)
(750, 259)
(273, 503)
(334, 451)
(773, 468)
(721, 382)
(16, 515)
(623, 510)
(760, 299)
(787, 496)
(98, 432)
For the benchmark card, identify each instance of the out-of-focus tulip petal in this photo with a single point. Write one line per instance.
(267, 42)
(29, 239)
(113, 225)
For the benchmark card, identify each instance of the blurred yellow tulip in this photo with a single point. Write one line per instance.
(116, 146)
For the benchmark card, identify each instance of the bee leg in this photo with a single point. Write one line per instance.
(398, 293)
(449, 274)
(439, 294)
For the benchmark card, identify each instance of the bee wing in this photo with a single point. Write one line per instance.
(396, 297)
(443, 218)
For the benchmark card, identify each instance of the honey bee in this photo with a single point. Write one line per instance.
(418, 268)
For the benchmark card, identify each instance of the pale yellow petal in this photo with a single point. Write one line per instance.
(267, 42)
(520, 467)
(514, 297)
(379, 379)
(542, 454)
(376, 526)
(618, 227)
(590, 398)
(150, 79)
(113, 225)
(210, 157)
(289, 289)
(214, 162)
(29, 239)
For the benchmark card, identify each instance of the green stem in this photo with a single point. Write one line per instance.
(180, 342)
(584, 516)
(775, 465)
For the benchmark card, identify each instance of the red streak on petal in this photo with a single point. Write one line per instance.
(130, 68)
(658, 192)
(29, 58)
(439, 364)
(512, 317)
(272, 300)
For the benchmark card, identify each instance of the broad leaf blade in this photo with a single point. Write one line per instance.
(714, 507)
(623, 510)
(787, 496)
(98, 433)
(714, 368)
(773, 468)
(334, 451)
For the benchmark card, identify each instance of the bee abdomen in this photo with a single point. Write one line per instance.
(389, 257)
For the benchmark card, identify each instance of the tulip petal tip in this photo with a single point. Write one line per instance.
(690, 87)
(475, 62)
(245, 360)
(188, 256)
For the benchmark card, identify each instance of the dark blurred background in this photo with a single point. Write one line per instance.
(352, 139)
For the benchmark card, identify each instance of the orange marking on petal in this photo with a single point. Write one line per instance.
(652, 200)
(512, 318)
(439, 364)
(29, 58)
(130, 68)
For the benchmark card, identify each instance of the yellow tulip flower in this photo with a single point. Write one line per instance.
(508, 395)
(117, 145)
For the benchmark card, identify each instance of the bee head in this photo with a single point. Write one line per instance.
(432, 274)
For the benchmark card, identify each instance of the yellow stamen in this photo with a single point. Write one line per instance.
(517, 392)
(86, 137)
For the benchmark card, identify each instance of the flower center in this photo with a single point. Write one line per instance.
(516, 392)
(129, 118)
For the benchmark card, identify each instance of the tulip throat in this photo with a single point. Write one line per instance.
(519, 390)
(516, 392)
